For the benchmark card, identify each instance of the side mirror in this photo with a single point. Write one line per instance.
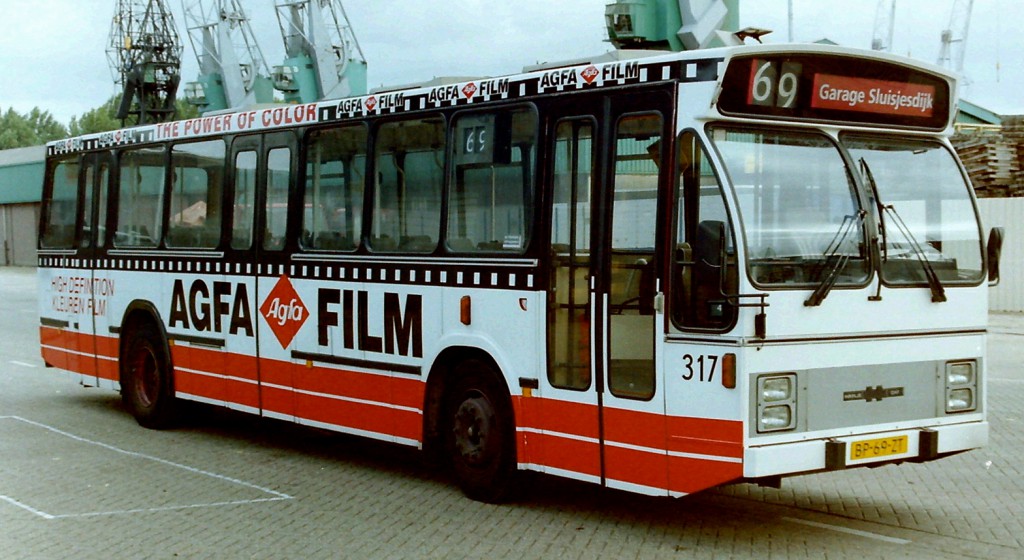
(995, 251)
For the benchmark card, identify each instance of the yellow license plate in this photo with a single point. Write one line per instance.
(874, 448)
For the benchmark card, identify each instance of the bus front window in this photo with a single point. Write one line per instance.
(800, 216)
(919, 185)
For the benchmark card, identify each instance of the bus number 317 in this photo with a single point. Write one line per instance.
(700, 367)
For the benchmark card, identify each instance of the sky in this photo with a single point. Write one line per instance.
(53, 52)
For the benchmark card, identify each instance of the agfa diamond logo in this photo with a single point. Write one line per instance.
(284, 311)
(469, 90)
(371, 102)
(590, 74)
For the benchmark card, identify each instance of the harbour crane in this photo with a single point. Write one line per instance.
(144, 54)
(323, 58)
(232, 70)
(954, 37)
(885, 22)
(674, 25)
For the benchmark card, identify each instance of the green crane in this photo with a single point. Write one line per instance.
(672, 25)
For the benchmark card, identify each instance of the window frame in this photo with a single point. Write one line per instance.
(529, 193)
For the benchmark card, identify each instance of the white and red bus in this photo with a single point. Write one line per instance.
(660, 274)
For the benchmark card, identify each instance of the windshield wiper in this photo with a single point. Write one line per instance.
(938, 292)
(850, 223)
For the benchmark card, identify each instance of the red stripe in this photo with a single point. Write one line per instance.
(350, 384)
(378, 416)
(658, 434)
(563, 453)
(651, 467)
(246, 393)
(693, 475)
(637, 467)
(643, 429)
(107, 369)
(559, 416)
(706, 436)
(359, 416)
(279, 401)
(708, 428)
(49, 336)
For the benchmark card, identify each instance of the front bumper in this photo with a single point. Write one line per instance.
(921, 444)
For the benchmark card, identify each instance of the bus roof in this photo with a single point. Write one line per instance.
(589, 73)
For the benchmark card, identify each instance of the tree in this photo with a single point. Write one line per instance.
(46, 127)
(35, 128)
(100, 119)
(15, 131)
(103, 118)
(185, 110)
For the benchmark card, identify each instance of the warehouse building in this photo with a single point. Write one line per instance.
(21, 183)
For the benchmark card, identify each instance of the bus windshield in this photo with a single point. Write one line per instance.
(798, 207)
(919, 185)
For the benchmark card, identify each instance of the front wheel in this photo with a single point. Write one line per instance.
(480, 438)
(146, 388)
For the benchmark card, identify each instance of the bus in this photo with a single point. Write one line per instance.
(657, 274)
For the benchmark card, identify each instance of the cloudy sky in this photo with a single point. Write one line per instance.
(53, 52)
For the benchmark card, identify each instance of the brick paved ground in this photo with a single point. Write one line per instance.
(225, 485)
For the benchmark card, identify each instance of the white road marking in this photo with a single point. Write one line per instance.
(26, 507)
(276, 496)
(25, 364)
(847, 530)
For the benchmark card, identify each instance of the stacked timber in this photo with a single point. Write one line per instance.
(994, 158)
(1013, 135)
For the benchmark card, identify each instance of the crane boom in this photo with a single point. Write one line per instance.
(954, 37)
(232, 70)
(885, 21)
(323, 58)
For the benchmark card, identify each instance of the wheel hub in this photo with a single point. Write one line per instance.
(146, 378)
(472, 430)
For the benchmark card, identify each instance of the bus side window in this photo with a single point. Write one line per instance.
(279, 174)
(94, 193)
(568, 302)
(61, 205)
(700, 278)
(491, 188)
(332, 218)
(638, 160)
(103, 199)
(140, 200)
(197, 179)
(244, 200)
(409, 158)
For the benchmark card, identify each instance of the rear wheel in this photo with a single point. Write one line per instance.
(480, 436)
(146, 378)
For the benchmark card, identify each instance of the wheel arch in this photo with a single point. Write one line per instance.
(137, 313)
(441, 376)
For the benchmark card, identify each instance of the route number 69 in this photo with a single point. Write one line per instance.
(774, 84)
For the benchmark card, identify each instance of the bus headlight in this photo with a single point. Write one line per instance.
(777, 389)
(776, 402)
(777, 417)
(961, 386)
(960, 399)
(960, 373)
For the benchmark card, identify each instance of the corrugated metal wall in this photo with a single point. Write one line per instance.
(18, 226)
(1007, 213)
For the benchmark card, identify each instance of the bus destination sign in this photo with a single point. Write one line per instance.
(835, 89)
(843, 93)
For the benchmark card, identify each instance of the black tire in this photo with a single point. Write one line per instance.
(479, 434)
(146, 387)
